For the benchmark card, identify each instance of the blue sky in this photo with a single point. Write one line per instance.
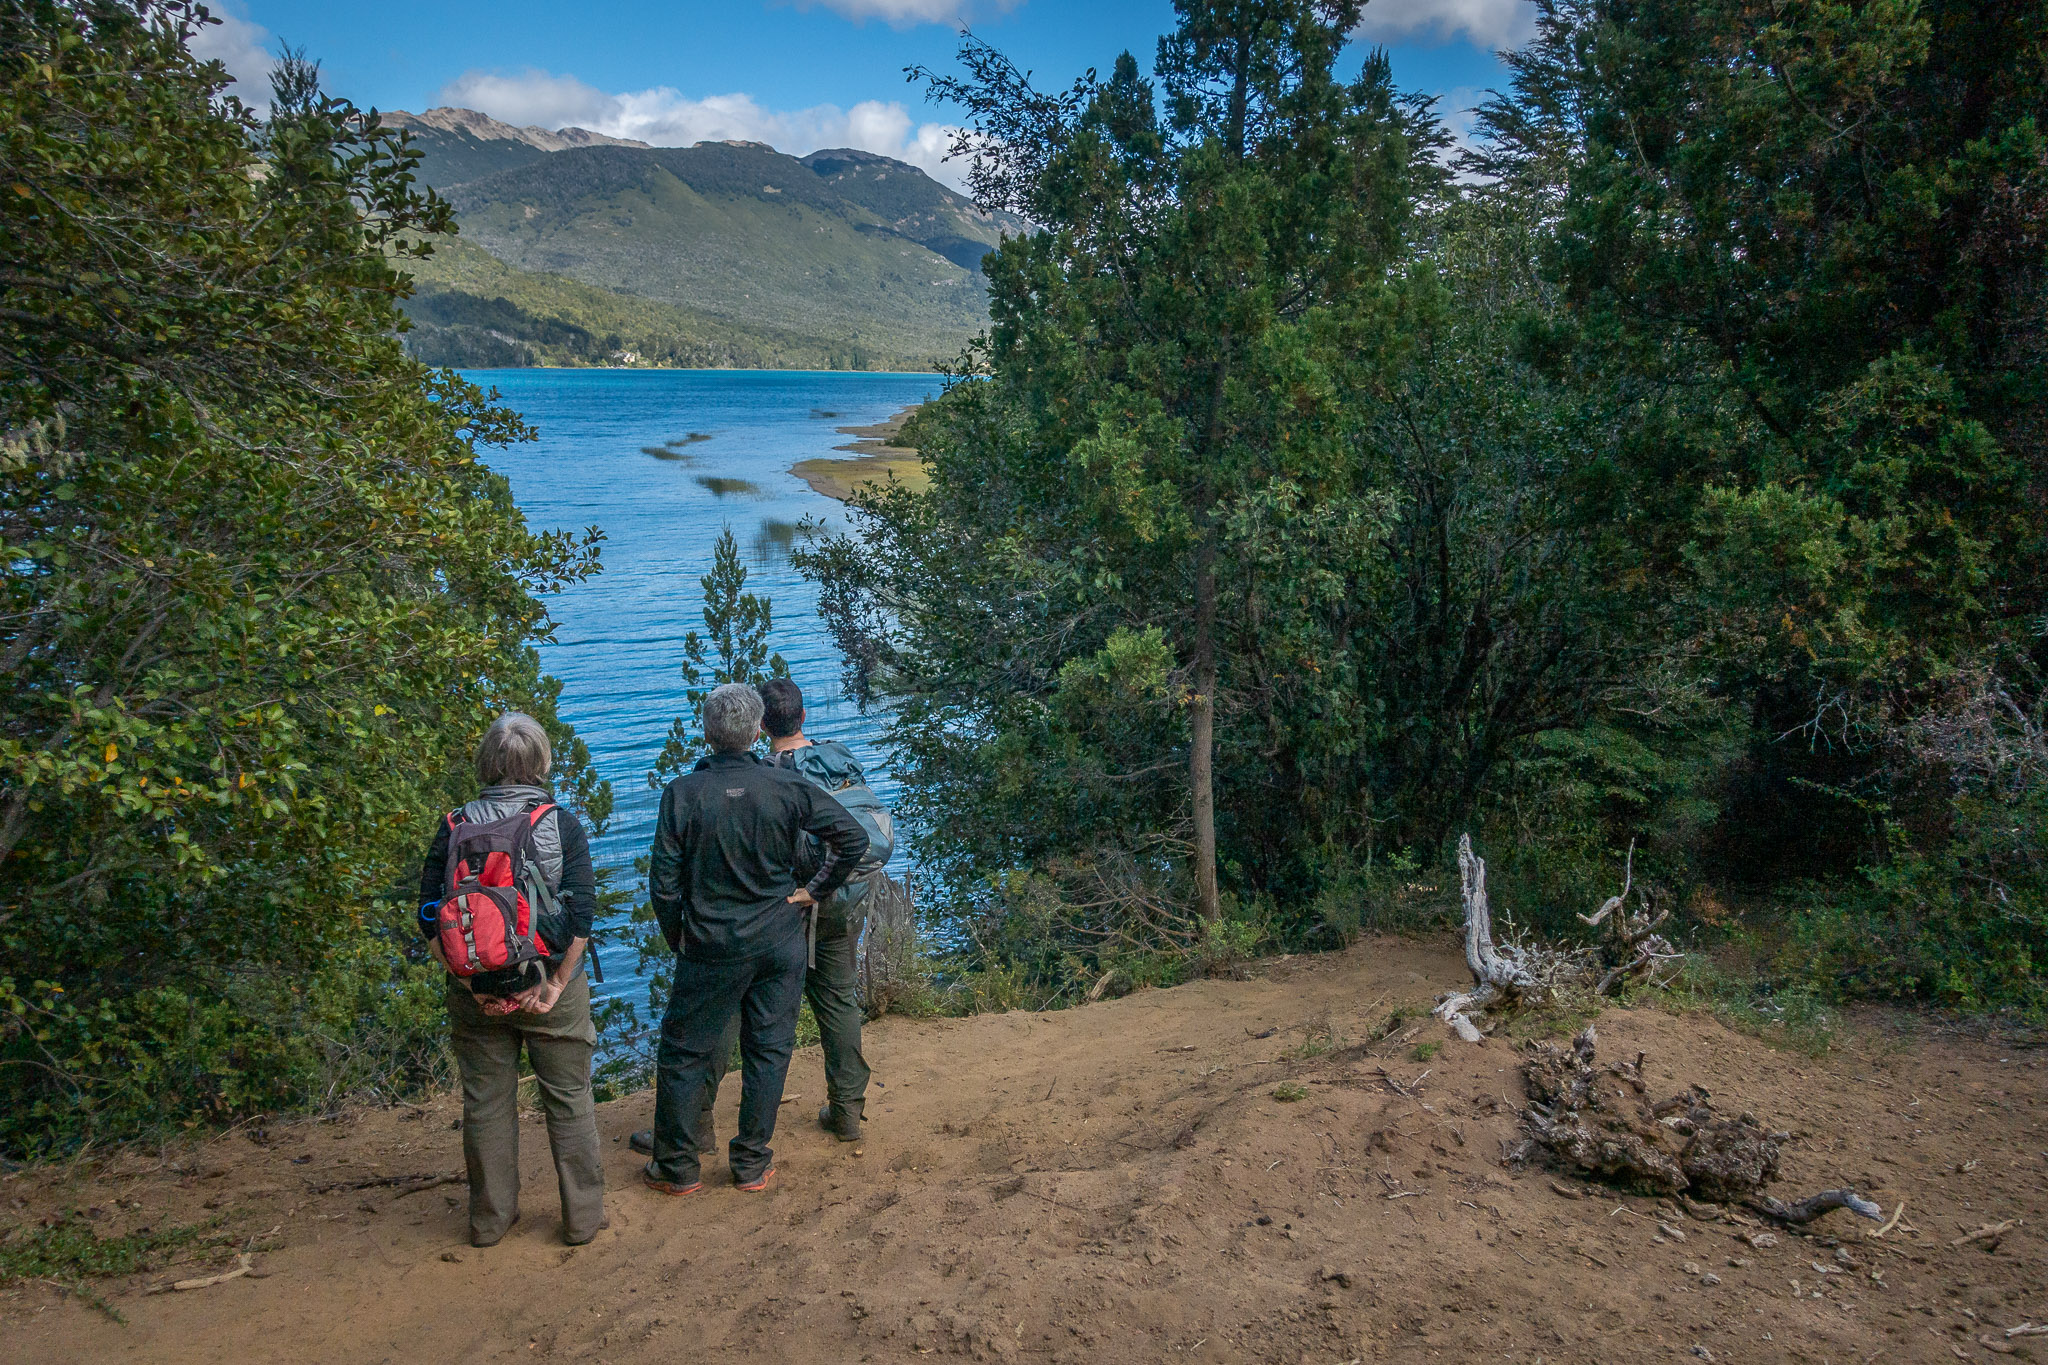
(800, 76)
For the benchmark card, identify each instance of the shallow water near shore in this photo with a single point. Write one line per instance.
(661, 461)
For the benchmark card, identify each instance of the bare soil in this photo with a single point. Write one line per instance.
(1118, 1183)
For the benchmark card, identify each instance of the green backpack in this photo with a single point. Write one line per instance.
(830, 765)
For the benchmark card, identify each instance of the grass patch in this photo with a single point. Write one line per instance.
(1322, 1040)
(67, 1251)
(1424, 1051)
(1793, 1017)
(1561, 1015)
(1287, 1092)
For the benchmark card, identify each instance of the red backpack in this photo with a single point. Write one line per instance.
(486, 923)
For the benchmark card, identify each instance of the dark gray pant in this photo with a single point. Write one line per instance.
(559, 1044)
(833, 988)
(764, 991)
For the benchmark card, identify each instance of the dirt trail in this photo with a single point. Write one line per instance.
(1118, 1183)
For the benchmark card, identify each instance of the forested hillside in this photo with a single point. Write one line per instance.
(841, 259)
(472, 311)
(1670, 481)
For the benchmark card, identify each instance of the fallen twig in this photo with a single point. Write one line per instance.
(1892, 1222)
(1985, 1233)
(209, 1281)
(422, 1180)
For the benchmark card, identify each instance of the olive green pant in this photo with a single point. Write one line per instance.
(559, 1044)
(833, 988)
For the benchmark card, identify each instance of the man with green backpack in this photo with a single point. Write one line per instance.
(832, 983)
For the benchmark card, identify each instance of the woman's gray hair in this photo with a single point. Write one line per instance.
(514, 753)
(732, 718)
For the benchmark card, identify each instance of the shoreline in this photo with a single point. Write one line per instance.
(669, 369)
(875, 457)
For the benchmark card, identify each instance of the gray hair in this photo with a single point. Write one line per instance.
(514, 752)
(732, 718)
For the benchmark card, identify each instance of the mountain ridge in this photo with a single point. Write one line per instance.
(447, 118)
(841, 251)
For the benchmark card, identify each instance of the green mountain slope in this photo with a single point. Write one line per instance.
(471, 310)
(840, 253)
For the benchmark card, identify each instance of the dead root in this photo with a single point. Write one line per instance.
(1597, 1121)
(1509, 973)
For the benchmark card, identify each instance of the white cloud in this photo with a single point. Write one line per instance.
(666, 117)
(1489, 23)
(1458, 109)
(908, 13)
(242, 46)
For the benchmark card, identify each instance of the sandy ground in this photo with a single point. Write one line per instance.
(876, 458)
(1118, 1183)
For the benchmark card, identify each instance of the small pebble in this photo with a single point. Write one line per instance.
(1673, 1233)
(1710, 1279)
(454, 1256)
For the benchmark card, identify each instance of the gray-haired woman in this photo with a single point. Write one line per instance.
(547, 1010)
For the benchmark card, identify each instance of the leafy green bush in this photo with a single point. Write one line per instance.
(1965, 924)
(258, 595)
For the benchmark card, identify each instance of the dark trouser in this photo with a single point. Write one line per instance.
(721, 1060)
(559, 1044)
(764, 991)
(833, 988)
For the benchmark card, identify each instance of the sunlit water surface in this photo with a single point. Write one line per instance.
(726, 440)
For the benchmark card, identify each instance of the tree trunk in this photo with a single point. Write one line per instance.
(1202, 731)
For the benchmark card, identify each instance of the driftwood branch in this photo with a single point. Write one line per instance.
(242, 1267)
(1808, 1209)
(1496, 973)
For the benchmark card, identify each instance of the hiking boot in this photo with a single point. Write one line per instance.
(841, 1121)
(660, 1186)
(642, 1142)
(759, 1182)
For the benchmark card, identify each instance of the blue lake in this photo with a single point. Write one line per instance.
(619, 636)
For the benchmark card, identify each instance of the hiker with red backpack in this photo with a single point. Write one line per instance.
(507, 892)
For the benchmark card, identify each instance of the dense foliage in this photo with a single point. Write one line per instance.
(1674, 478)
(260, 597)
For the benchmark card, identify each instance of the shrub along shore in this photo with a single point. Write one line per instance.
(1656, 483)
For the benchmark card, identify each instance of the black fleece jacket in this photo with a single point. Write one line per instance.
(727, 844)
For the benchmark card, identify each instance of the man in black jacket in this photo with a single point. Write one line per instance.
(722, 878)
